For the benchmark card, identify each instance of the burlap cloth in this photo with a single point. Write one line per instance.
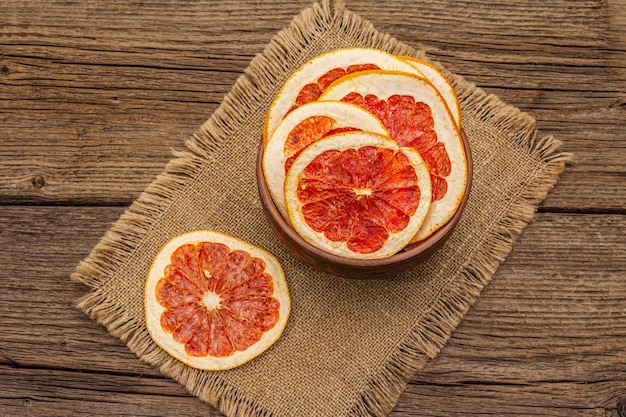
(350, 346)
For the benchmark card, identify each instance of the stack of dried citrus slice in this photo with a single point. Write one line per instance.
(363, 152)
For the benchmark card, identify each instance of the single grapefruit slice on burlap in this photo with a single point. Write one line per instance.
(358, 195)
(309, 81)
(215, 302)
(441, 83)
(415, 116)
(304, 126)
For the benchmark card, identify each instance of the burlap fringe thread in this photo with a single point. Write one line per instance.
(434, 329)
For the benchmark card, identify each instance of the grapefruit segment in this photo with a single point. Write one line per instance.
(215, 302)
(358, 195)
(301, 128)
(309, 81)
(416, 116)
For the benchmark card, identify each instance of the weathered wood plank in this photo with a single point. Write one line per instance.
(92, 116)
(112, 152)
(42, 246)
(430, 400)
(545, 338)
(57, 392)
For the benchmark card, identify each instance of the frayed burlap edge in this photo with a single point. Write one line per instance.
(434, 329)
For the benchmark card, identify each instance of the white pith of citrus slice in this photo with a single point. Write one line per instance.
(303, 126)
(417, 117)
(320, 66)
(441, 83)
(358, 195)
(215, 302)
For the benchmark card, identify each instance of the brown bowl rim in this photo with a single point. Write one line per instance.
(404, 255)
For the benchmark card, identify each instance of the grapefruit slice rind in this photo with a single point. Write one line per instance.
(441, 83)
(382, 86)
(318, 67)
(215, 302)
(303, 126)
(358, 195)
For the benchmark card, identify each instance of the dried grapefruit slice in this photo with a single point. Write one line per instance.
(358, 195)
(302, 127)
(309, 81)
(215, 302)
(415, 116)
(441, 83)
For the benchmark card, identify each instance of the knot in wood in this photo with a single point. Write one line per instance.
(621, 407)
(38, 181)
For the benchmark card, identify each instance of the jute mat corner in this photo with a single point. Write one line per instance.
(350, 346)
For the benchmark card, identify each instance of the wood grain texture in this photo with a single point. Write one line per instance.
(94, 97)
(99, 96)
(545, 338)
(62, 392)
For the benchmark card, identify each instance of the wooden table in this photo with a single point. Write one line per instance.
(94, 97)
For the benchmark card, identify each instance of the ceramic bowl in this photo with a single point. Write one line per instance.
(357, 268)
